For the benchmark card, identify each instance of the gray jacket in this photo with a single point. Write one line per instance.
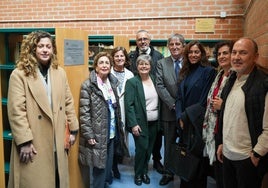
(166, 87)
(94, 121)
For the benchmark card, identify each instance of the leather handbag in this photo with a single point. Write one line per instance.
(183, 164)
(67, 144)
(120, 146)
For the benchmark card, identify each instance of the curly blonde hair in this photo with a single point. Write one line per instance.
(27, 60)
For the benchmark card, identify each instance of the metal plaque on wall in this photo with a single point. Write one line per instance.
(73, 52)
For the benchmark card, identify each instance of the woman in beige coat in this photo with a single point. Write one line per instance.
(39, 104)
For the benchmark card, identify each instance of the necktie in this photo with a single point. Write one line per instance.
(177, 67)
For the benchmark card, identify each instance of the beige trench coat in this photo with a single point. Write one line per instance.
(32, 118)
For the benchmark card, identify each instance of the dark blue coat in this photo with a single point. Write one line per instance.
(194, 89)
(190, 106)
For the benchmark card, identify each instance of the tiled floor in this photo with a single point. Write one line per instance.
(127, 175)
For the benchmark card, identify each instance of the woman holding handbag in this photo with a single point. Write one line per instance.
(195, 79)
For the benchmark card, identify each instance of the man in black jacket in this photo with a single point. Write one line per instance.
(143, 40)
(243, 123)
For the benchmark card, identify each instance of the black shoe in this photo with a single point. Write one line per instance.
(166, 179)
(158, 167)
(138, 180)
(116, 174)
(145, 179)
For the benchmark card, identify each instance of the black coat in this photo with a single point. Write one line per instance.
(133, 55)
(255, 90)
(193, 117)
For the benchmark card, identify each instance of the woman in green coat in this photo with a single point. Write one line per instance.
(142, 111)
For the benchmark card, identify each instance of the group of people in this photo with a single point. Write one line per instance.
(221, 115)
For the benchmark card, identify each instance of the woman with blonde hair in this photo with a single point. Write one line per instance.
(39, 105)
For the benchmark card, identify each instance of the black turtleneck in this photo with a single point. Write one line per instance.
(194, 66)
(43, 69)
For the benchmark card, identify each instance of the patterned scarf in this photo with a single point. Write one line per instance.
(109, 96)
(211, 117)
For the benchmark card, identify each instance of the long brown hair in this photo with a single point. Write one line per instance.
(186, 67)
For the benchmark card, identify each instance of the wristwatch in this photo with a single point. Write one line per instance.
(255, 154)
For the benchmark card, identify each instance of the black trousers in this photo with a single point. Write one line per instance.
(218, 173)
(57, 179)
(170, 135)
(240, 174)
(157, 146)
(201, 179)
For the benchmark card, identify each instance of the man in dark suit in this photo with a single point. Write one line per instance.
(166, 85)
(143, 40)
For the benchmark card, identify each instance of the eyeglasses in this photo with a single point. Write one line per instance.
(142, 39)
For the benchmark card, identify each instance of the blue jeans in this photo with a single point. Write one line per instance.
(102, 176)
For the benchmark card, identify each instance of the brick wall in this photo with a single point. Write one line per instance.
(256, 26)
(160, 18)
(120, 17)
